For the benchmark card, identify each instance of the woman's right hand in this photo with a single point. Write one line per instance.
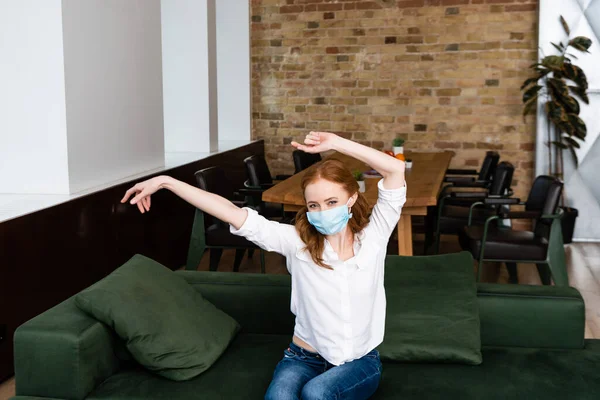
(142, 192)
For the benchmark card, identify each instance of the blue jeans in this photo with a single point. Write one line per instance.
(304, 375)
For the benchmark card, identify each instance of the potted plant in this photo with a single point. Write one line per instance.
(398, 146)
(360, 178)
(559, 83)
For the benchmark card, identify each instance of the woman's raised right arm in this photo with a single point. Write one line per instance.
(210, 203)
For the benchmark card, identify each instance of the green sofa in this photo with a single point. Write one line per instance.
(532, 343)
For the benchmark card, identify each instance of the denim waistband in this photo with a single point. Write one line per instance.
(297, 349)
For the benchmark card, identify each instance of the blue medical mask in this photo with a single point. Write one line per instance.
(330, 222)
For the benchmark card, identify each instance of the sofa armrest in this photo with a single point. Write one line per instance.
(531, 316)
(260, 303)
(63, 353)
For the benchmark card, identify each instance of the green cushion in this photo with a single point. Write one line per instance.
(432, 310)
(168, 326)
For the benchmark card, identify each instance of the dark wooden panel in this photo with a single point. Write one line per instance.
(50, 255)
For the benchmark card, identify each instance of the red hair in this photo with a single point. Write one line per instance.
(332, 171)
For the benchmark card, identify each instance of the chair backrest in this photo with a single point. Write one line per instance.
(502, 178)
(258, 171)
(544, 197)
(488, 166)
(303, 160)
(213, 180)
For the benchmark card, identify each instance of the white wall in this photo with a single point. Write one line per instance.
(33, 138)
(234, 77)
(114, 101)
(81, 87)
(581, 183)
(189, 75)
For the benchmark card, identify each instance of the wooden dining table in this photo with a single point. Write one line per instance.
(423, 181)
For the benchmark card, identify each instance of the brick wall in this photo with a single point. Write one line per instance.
(443, 74)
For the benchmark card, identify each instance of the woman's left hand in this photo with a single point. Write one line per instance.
(317, 142)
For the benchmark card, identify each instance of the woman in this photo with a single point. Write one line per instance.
(335, 254)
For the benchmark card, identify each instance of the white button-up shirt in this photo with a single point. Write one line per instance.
(339, 312)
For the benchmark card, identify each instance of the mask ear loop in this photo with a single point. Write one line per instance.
(346, 227)
(349, 207)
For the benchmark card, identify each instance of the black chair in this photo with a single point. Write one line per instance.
(211, 233)
(259, 180)
(456, 179)
(460, 177)
(543, 246)
(453, 208)
(303, 160)
(259, 174)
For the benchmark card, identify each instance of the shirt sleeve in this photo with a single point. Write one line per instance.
(387, 210)
(266, 234)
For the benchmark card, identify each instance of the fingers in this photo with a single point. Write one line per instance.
(142, 204)
(311, 141)
(306, 149)
(128, 194)
(314, 136)
(146, 202)
(139, 196)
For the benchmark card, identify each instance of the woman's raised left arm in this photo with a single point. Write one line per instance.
(390, 168)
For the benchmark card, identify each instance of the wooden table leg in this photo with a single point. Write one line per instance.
(405, 245)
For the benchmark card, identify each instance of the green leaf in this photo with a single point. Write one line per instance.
(529, 82)
(556, 113)
(579, 125)
(576, 74)
(581, 43)
(529, 93)
(554, 63)
(557, 47)
(566, 127)
(543, 73)
(572, 55)
(570, 104)
(560, 145)
(571, 71)
(571, 142)
(581, 93)
(530, 106)
(574, 154)
(565, 26)
(557, 88)
(580, 79)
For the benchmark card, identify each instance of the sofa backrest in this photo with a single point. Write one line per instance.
(260, 303)
(510, 315)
